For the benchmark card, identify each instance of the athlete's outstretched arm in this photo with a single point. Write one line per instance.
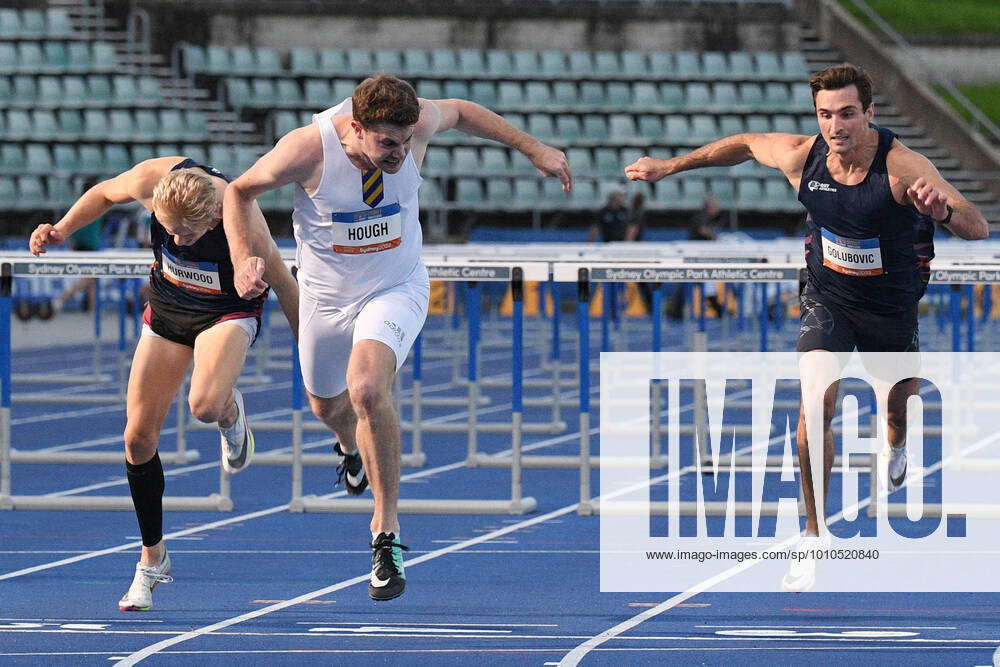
(136, 184)
(786, 152)
(292, 160)
(932, 195)
(471, 118)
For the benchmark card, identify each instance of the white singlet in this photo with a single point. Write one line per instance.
(360, 273)
(346, 249)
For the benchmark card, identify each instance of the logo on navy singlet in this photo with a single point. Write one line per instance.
(822, 187)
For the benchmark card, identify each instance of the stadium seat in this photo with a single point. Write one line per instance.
(78, 56)
(580, 160)
(193, 57)
(621, 127)
(126, 91)
(749, 194)
(103, 57)
(91, 159)
(430, 194)
(332, 62)
(266, 61)
(31, 193)
(634, 64)
(704, 128)
(142, 152)
(469, 191)
(724, 190)
(498, 62)
(59, 25)
(32, 23)
(245, 158)
(317, 93)
(519, 164)
(359, 62)
(724, 97)
(483, 92)
(120, 125)
(500, 193)
(526, 192)
(495, 160)
(29, 57)
(288, 93)
(794, 66)
(221, 157)
(50, 92)
(510, 95)
(537, 94)
(8, 57)
(465, 161)
(645, 95)
(437, 160)
(196, 125)
(693, 191)
(583, 195)
(784, 123)
(69, 124)
(617, 94)
(551, 63)
(730, 125)
(99, 90)
(12, 158)
(688, 65)
(116, 158)
(779, 194)
(768, 65)
(606, 64)
(606, 162)
(808, 125)
(304, 62)
(595, 127)
(751, 96)
(661, 64)
(714, 65)
(697, 96)
(6, 95)
(61, 192)
(146, 125)
(242, 61)
(25, 89)
(10, 23)
(568, 128)
(444, 62)
(44, 125)
(455, 90)
(340, 91)
(263, 93)
(776, 96)
(525, 62)
(388, 60)
(237, 93)
(667, 192)
(65, 158)
(430, 90)
(672, 96)
(758, 124)
(8, 193)
(540, 125)
(581, 63)
(741, 65)
(196, 152)
(471, 62)
(592, 94)
(650, 127)
(95, 125)
(171, 125)
(676, 129)
(802, 99)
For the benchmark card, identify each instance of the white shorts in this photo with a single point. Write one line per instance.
(328, 333)
(247, 324)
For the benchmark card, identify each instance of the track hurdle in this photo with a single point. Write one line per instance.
(120, 266)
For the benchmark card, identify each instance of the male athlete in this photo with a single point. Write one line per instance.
(194, 316)
(363, 286)
(872, 204)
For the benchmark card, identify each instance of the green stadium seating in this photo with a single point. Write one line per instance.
(667, 192)
(592, 94)
(388, 60)
(606, 63)
(25, 89)
(74, 91)
(237, 93)
(595, 127)
(621, 127)
(10, 23)
(697, 96)
(617, 94)
(802, 99)
(676, 129)
(359, 62)
(741, 65)
(78, 55)
(672, 96)
(464, 160)
(9, 62)
(65, 158)
(714, 65)
(724, 96)
(565, 94)
(266, 61)
(126, 90)
(750, 193)
(471, 62)
(116, 158)
(430, 194)
(61, 192)
(99, 90)
(8, 193)
(59, 23)
(568, 128)
(784, 123)
(317, 93)
(519, 164)
(661, 64)
(120, 125)
(343, 89)
(437, 160)
(196, 125)
(242, 61)
(540, 125)
(537, 94)
(724, 190)
(730, 125)
(455, 90)
(525, 61)
(808, 125)
(50, 92)
(483, 92)
(768, 65)
(91, 159)
(196, 152)
(44, 125)
(288, 93)
(171, 125)
(583, 195)
(509, 94)
(142, 152)
(416, 62)
(470, 190)
(150, 93)
(70, 125)
(634, 64)
(645, 95)
(776, 96)
(650, 127)
(444, 62)
(31, 193)
(794, 66)
(499, 62)
(495, 160)
(12, 158)
(146, 125)
(688, 65)
(332, 62)
(526, 192)
(304, 62)
(221, 157)
(606, 162)
(29, 57)
(430, 90)
(751, 95)
(580, 63)
(704, 128)
(263, 92)
(552, 63)
(32, 23)
(499, 193)
(580, 160)
(103, 57)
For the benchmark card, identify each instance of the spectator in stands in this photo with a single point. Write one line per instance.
(86, 239)
(863, 189)
(703, 227)
(613, 221)
(364, 286)
(195, 316)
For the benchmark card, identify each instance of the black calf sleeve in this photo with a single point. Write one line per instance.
(145, 481)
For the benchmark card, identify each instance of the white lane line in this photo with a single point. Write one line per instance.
(577, 654)
(159, 646)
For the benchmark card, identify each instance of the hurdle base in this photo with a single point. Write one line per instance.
(417, 506)
(20, 456)
(81, 399)
(212, 503)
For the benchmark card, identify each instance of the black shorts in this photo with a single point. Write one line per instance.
(182, 325)
(826, 326)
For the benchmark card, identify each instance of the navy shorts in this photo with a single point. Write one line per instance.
(827, 326)
(182, 325)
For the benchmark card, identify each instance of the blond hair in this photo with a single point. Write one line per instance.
(188, 194)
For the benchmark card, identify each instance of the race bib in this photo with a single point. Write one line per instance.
(362, 232)
(195, 276)
(853, 257)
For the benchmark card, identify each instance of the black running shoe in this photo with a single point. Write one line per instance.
(388, 578)
(351, 472)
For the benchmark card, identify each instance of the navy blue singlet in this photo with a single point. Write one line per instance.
(197, 277)
(864, 250)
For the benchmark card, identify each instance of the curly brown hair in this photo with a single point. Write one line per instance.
(384, 98)
(842, 76)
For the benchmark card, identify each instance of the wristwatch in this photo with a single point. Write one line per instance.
(947, 218)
